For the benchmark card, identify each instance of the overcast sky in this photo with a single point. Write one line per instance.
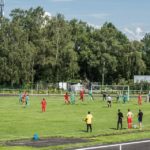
(132, 17)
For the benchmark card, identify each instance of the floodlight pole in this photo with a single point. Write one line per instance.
(128, 93)
(1, 8)
(1, 12)
(103, 75)
(57, 46)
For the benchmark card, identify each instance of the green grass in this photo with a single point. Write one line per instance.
(63, 120)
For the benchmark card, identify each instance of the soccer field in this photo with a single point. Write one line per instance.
(60, 120)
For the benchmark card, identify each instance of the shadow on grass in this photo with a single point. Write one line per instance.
(118, 129)
(83, 131)
(104, 106)
(84, 104)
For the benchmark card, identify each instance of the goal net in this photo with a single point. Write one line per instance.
(112, 90)
(76, 88)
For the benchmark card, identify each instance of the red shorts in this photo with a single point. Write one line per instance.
(129, 120)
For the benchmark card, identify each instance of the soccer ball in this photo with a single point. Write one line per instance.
(134, 126)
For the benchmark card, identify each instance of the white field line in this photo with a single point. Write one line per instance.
(114, 145)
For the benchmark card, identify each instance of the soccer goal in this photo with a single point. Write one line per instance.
(76, 88)
(111, 89)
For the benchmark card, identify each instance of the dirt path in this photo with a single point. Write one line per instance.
(45, 142)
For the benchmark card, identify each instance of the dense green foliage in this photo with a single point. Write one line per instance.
(62, 120)
(35, 47)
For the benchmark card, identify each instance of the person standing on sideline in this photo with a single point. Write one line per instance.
(109, 101)
(140, 117)
(88, 121)
(129, 119)
(43, 105)
(139, 99)
(120, 116)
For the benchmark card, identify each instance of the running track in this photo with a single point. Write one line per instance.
(138, 145)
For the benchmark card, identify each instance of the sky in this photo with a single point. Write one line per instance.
(132, 17)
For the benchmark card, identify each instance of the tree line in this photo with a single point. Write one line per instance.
(35, 47)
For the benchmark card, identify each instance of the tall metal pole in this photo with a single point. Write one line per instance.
(1, 8)
(57, 46)
(1, 12)
(103, 74)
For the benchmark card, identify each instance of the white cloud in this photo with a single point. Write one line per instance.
(95, 26)
(128, 31)
(134, 34)
(48, 14)
(138, 30)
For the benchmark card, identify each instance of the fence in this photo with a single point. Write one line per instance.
(59, 88)
(121, 146)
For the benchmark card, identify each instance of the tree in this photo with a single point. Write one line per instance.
(36, 48)
(146, 52)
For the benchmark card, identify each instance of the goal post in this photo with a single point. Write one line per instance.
(111, 89)
(76, 88)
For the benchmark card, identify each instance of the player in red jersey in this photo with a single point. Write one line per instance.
(140, 99)
(24, 98)
(82, 95)
(66, 97)
(43, 105)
